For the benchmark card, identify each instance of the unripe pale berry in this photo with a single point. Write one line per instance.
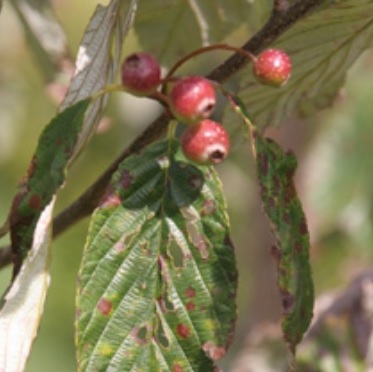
(141, 74)
(205, 143)
(192, 99)
(273, 67)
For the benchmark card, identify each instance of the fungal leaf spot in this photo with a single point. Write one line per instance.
(213, 351)
(190, 292)
(126, 179)
(104, 306)
(190, 306)
(35, 202)
(110, 200)
(183, 330)
(275, 170)
(177, 368)
(141, 334)
(208, 207)
(161, 336)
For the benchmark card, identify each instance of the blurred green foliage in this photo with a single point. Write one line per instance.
(338, 181)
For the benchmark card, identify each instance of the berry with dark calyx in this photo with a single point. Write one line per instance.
(205, 143)
(273, 67)
(141, 74)
(192, 99)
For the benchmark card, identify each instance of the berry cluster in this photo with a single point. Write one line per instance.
(192, 99)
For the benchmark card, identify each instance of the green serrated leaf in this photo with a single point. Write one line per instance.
(322, 46)
(45, 176)
(275, 171)
(158, 277)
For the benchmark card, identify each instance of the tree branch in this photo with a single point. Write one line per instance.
(350, 310)
(343, 303)
(278, 22)
(280, 6)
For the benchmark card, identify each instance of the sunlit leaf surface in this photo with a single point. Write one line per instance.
(158, 277)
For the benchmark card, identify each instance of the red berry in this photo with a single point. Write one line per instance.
(205, 143)
(192, 99)
(273, 67)
(141, 74)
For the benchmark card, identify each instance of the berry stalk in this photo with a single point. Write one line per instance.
(203, 50)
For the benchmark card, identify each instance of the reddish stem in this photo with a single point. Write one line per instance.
(160, 97)
(202, 50)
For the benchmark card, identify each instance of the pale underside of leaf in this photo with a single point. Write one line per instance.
(322, 48)
(21, 314)
(201, 21)
(158, 278)
(98, 60)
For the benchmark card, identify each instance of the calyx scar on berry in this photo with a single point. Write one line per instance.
(192, 99)
(141, 74)
(205, 143)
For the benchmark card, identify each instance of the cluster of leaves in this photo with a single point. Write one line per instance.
(158, 276)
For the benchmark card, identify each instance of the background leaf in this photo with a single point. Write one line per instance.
(322, 47)
(44, 34)
(169, 29)
(331, 345)
(158, 276)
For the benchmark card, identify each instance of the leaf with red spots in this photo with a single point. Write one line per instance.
(275, 171)
(45, 176)
(30, 223)
(159, 251)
